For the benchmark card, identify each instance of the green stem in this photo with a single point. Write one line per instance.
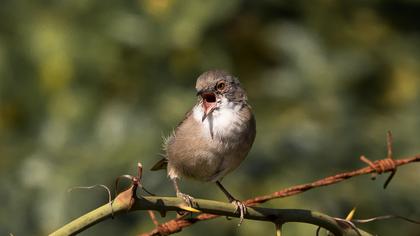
(123, 205)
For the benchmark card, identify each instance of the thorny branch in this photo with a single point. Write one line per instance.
(389, 164)
(128, 201)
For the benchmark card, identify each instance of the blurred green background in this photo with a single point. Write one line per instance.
(88, 88)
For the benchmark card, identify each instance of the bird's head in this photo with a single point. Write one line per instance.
(217, 88)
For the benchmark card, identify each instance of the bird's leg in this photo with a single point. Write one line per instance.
(240, 207)
(185, 197)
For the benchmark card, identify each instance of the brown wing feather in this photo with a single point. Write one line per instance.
(160, 165)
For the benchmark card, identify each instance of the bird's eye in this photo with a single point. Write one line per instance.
(221, 86)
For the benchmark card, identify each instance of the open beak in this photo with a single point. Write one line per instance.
(209, 103)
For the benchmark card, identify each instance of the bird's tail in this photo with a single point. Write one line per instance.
(160, 165)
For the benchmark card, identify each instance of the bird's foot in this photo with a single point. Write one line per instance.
(241, 209)
(189, 201)
(186, 198)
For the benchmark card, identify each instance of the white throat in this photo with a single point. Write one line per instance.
(222, 122)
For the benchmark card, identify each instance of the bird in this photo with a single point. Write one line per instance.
(214, 138)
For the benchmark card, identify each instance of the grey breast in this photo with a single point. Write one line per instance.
(193, 155)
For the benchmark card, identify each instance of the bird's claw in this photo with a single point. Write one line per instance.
(189, 201)
(186, 198)
(241, 209)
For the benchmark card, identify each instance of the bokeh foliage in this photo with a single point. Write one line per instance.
(87, 89)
